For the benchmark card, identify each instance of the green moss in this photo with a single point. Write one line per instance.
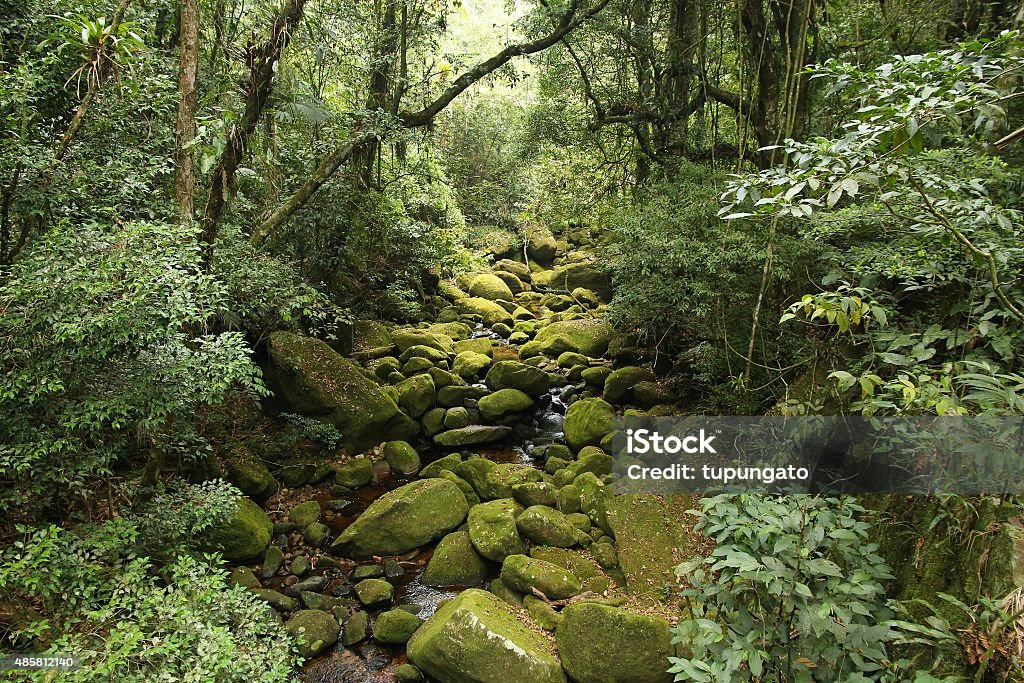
(600, 643)
(242, 536)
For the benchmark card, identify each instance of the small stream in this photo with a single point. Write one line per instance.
(369, 661)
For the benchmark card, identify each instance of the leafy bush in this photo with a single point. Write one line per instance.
(791, 592)
(106, 335)
(95, 596)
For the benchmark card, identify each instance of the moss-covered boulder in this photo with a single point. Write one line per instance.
(490, 312)
(304, 514)
(315, 381)
(504, 402)
(458, 395)
(587, 421)
(652, 536)
(546, 526)
(370, 334)
(473, 434)
(540, 244)
(535, 493)
(354, 473)
(467, 490)
(470, 364)
(493, 531)
(401, 456)
(527, 574)
(317, 631)
(435, 468)
(510, 374)
(406, 338)
(586, 275)
(618, 387)
(542, 613)
(403, 519)
(502, 479)
(374, 591)
(478, 345)
(576, 562)
(243, 535)
(396, 626)
(249, 474)
(490, 287)
(474, 470)
(416, 395)
(588, 336)
(455, 562)
(596, 377)
(477, 638)
(599, 643)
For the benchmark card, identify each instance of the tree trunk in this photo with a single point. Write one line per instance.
(263, 61)
(185, 128)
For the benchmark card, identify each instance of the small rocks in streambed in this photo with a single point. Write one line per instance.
(493, 531)
(314, 583)
(395, 626)
(357, 628)
(471, 435)
(272, 561)
(455, 562)
(546, 526)
(355, 473)
(407, 673)
(279, 601)
(322, 602)
(243, 576)
(602, 643)
(316, 535)
(317, 629)
(299, 566)
(405, 518)
(374, 591)
(477, 637)
(304, 514)
(401, 456)
(526, 574)
(393, 570)
(367, 571)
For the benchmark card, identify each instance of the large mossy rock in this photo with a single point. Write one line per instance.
(406, 518)
(653, 534)
(586, 275)
(540, 244)
(618, 386)
(511, 374)
(490, 312)
(396, 626)
(493, 531)
(490, 287)
(455, 562)
(249, 474)
(504, 402)
(546, 526)
(587, 421)
(604, 644)
(470, 363)
(243, 535)
(408, 337)
(416, 395)
(527, 574)
(473, 434)
(477, 638)
(588, 336)
(315, 381)
(318, 630)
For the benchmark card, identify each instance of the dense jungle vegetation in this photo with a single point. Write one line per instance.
(290, 290)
